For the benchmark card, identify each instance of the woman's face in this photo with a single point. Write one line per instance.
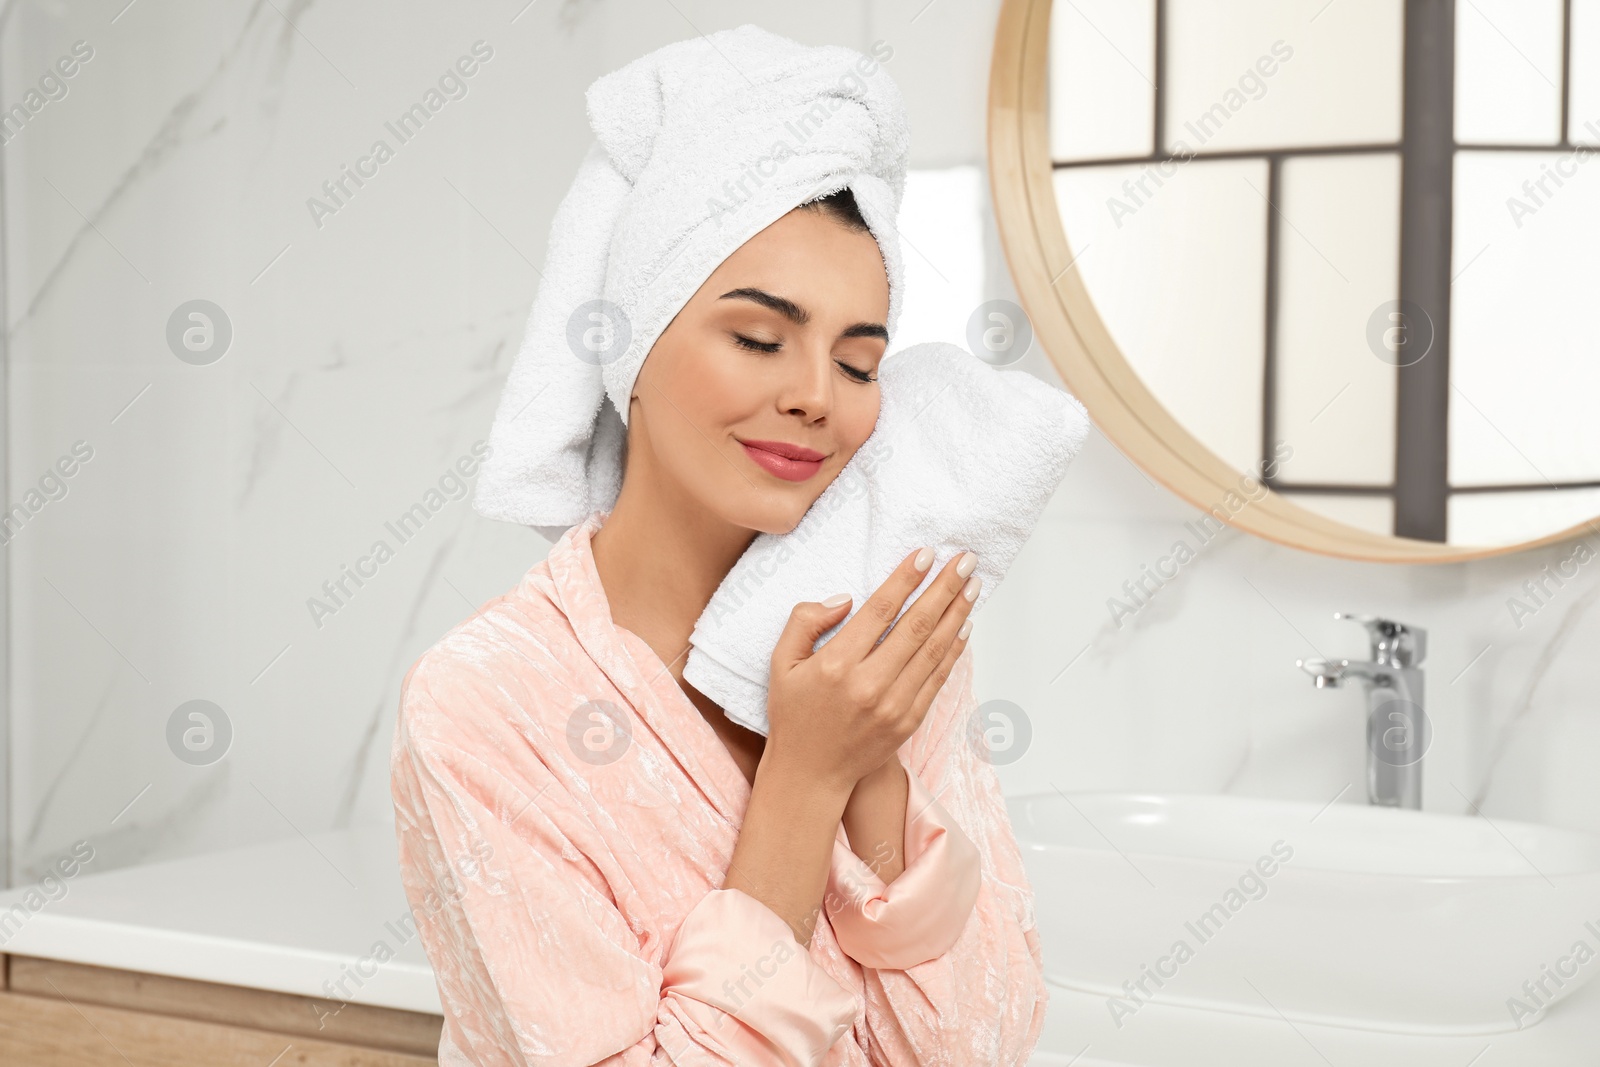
(772, 350)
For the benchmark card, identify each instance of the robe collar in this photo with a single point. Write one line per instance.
(649, 686)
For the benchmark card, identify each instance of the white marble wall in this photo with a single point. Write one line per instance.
(366, 357)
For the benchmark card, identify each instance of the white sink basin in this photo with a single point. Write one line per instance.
(1346, 915)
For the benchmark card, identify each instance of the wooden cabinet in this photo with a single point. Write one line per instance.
(55, 1014)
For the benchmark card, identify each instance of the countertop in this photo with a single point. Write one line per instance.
(321, 916)
(305, 914)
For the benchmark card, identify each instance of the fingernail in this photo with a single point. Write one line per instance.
(973, 585)
(835, 600)
(966, 628)
(969, 560)
(924, 559)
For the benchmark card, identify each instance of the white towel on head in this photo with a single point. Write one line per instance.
(702, 144)
(963, 456)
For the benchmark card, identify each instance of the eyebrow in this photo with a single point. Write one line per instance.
(799, 315)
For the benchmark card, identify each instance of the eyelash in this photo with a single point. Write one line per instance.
(770, 347)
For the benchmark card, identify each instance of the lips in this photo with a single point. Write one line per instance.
(792, 463)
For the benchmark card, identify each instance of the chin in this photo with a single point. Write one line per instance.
(776, 514)
(778, 521)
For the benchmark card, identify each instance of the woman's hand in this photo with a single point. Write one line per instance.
(839, 713)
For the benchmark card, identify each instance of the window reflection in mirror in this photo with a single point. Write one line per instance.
(1364, 233)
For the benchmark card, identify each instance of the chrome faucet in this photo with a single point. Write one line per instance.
(1398, 732)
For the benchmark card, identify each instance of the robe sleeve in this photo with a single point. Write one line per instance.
(982, 999)
(920, 914)
(534, 961)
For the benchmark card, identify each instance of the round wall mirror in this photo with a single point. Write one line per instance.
(1325, 268)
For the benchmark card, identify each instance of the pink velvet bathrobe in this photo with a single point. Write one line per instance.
(565, 883)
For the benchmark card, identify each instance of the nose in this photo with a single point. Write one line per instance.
(808, 386)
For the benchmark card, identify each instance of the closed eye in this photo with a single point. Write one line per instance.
(853, 373)
(757, 346)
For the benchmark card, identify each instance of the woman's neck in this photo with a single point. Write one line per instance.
(660, 560)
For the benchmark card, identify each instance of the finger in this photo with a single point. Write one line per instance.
(933, 686)
(900, 649)
(806, 623)
(856, 637)
(920, 680)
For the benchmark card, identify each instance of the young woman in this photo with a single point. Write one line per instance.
(603, 868)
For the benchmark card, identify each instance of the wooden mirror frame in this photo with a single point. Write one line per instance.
(1069, 328)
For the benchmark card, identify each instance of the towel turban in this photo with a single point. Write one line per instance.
(700, 145)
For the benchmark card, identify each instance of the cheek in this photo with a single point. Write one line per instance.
(856, 414)
(716, 387)
(702, 392)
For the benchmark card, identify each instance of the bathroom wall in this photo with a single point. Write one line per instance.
(225, 467)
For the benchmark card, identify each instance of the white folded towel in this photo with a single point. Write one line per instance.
(963, 456)
(702, 144)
